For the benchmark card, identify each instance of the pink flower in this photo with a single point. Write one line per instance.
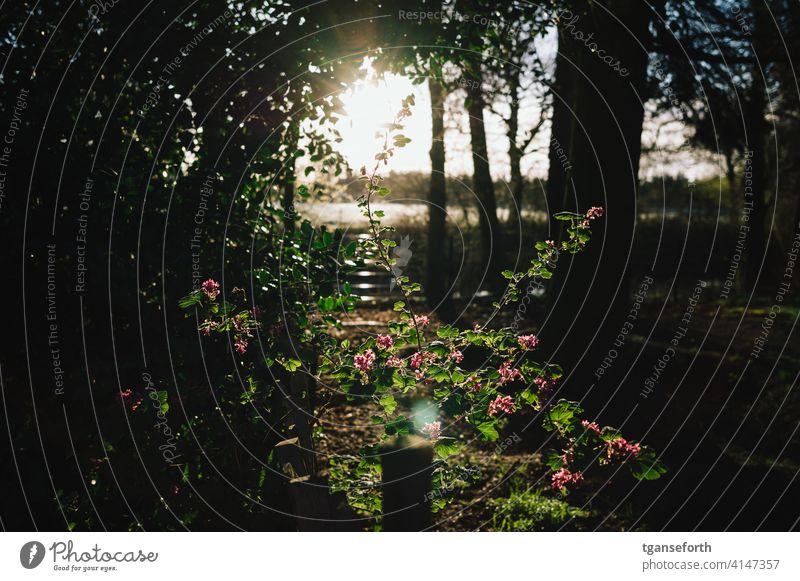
(125, 394)
(394, 361)
(207, 326)
(211, 288)
(419, 374)
(562, 477)
(422, 320)
(364, 362)
(457, 356)
(240, 346)
(545, 386)
(433, 429)
(621, 448)
(417, 359)
(385, 341)
(550, 243)
(503, 403)
(568, 456)
(591, 426)
(508, 373)
(595, 212)
(473, 384)
(528, 341)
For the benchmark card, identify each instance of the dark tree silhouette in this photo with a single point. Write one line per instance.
(594, 161)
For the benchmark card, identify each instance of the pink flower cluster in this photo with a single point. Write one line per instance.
(508, 373)
(239, 322)
(385, 341)
(621, 448)
(474, 384)
(457, 356)
(210, 288)
(503, 403)
(433, 429)
(395, 361)
(591, 426)
(240, 346)
(125, 393)
(420, 357)
(545, 387)
(528, 341)
(365, 361)
(422, 320)
(595, 212)
(208, 326)
(562, 477)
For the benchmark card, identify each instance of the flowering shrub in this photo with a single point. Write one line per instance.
(406, 358)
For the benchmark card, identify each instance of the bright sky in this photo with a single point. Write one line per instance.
(373, 102)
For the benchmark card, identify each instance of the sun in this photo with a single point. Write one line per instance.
(373, 102)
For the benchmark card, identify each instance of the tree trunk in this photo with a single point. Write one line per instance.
(756, 132)
(730, 172)
(562, 127)
(597, 125)
(436, 280)
(514, 153)
(484, 189)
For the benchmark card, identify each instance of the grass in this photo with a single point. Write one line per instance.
(529, 510)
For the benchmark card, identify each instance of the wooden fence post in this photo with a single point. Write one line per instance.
(407, 469)
(296, 457)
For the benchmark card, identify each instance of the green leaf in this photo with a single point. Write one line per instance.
(561, 416)
(326, 304)
(389, 403)
(401, 140)
(647, 466)
(488, 430)
(350, 249)
(162, 398)
(399, 427)
(446, 449)
(291, 365)
(447, 332)
(554, 459)
(189, 301)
